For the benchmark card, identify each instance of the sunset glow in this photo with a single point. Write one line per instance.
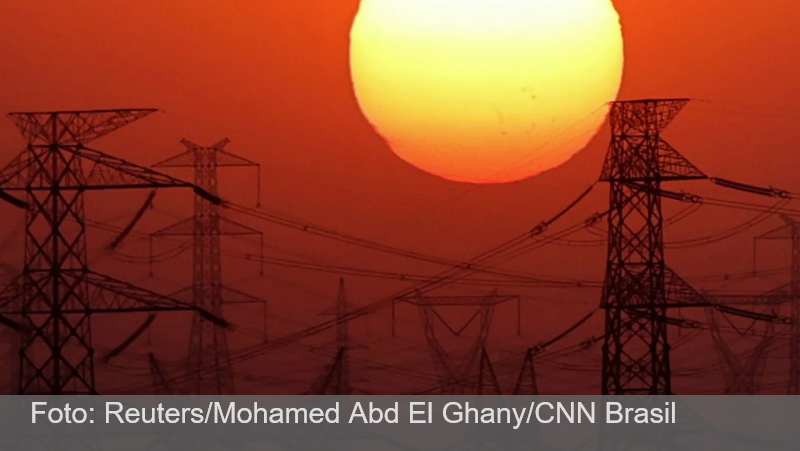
(486, 91)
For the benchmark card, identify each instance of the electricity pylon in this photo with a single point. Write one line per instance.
(743, 373)
(208, 345)
(335, 380)
(636, 349)
(59, 293)
(526, 380)
(639, 287)
(791, 231)
(458, 375)
(487, 383)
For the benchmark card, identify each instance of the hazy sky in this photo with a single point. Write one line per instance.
(273, 77)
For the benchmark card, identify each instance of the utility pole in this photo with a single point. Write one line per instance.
(636, 348)
(59, 292)
(208, 345)
(791, 231)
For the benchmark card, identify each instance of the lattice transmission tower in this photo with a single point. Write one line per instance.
(208, 345)
(526, 379)
(58, 294)
(791, 231)
(335, 380)
(636, 348)
(468, 372)
(742, 371)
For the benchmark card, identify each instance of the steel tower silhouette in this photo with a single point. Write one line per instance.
(335, 380)
(208, 345)
(58, 294)
(636, 349)
(791, 231)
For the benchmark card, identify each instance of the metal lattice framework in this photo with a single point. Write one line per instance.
(742, 374)
(460, 374)
(791, 231)
(335, 380)
(636, 348)
(57, 293)
(208, 345)
(161, 384)
(487, 383)
(526, 380)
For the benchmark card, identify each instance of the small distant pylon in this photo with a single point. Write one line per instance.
(743, 372)
(742, 375)
(791, 231)
(526, 381)
(208, 346)
(459, 375)
(161, 384)
(335, 380)
(487, 378)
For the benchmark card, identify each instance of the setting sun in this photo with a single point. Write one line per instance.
(486, 91)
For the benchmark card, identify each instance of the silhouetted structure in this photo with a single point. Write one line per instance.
(526, 380)
(208, 345)
(487, 383)
(59, 293)
(636, 349)
(335, 380)
(470, 373)
(161, 384)
(791, 231)
(742, 372)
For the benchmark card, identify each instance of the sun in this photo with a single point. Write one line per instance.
(486, 91)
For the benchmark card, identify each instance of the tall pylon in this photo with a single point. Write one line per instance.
(335, 380)
(59, 292)
(791, 231)
(636, 348)
(208, 345)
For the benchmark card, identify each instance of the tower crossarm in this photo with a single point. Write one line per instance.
(240, 297)
(108, 172)
(109, 295)
(105, 172)
(771, 299)
(74, 127)
(186, 227)
(680, 294)
(637, 152)
(645, 116)
(188, 158)
(457, 301)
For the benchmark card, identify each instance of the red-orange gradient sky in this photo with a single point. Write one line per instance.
(273, 77)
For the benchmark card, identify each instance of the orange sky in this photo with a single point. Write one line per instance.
(273, 77)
